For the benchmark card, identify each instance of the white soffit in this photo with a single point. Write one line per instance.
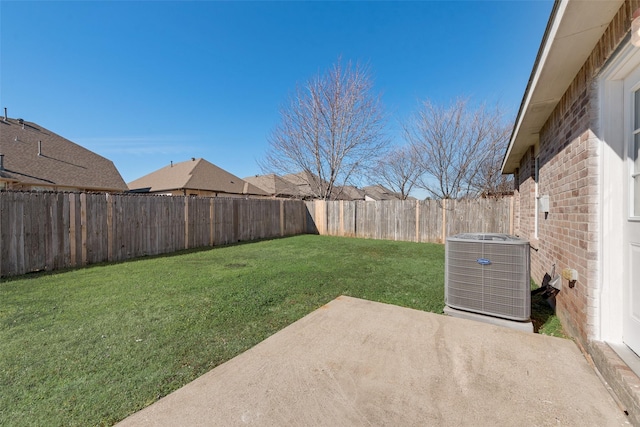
(573, 31)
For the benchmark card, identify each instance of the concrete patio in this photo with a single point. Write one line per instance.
(355, 362)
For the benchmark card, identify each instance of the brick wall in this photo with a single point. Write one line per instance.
(568, 173)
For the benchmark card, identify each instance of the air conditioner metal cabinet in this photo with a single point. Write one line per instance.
(488, 273)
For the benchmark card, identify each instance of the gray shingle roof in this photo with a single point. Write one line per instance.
(303, 181)
(195, 174)
(273, 185)
(35, 156)
(348, 192)
(379, 192)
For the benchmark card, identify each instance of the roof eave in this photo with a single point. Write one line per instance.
(573, 30)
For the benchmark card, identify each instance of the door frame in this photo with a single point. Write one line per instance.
(631, 325)
(614, 198)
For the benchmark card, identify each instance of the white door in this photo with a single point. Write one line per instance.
(631, 213)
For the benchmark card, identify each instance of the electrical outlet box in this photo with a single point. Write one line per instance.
(570, 274)
(543, 203)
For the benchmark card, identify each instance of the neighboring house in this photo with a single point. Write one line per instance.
(379, 192)
(33, 158)
(195, 177)
(307, 184)
(274, 186)
(348, 192)
(575, 154)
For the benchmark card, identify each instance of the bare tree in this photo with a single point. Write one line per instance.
(331, 130)
(489, 180)
(399, 170)
(458, 146)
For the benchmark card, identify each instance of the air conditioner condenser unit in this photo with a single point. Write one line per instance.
(489, 274)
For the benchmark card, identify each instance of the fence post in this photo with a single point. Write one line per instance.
(109, 227)
(281, 218)
(341, 218)
(321, 216)
(72, 229)
(355, 218)
(212, 223)
(305, 212)
(444, 220)
(83, 227)
(186, 222)
(418, 221)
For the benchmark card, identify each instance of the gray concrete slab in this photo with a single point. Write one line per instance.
(355, 362)
(518, 326)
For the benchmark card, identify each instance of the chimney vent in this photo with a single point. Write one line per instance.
(1, 162)
(171, 163)
(39, 148)
(5, 114)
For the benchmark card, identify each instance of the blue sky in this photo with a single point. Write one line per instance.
(146, 83)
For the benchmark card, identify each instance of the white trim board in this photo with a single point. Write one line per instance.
(611, 157)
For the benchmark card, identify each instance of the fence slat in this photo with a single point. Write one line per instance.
(50, 231)
(412, 221)
(60, 230)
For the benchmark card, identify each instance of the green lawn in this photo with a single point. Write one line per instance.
(91, 346)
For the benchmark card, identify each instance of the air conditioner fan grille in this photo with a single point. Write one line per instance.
(498, 285)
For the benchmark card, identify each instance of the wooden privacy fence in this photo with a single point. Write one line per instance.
(411, 220)
(50, 231)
